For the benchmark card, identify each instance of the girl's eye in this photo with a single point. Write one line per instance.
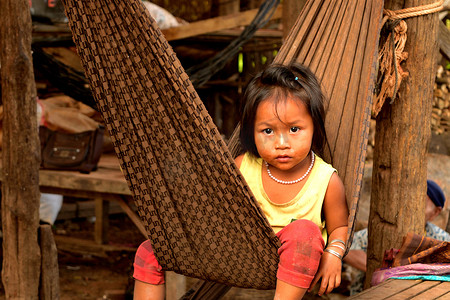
(267, 131)
(295, 129)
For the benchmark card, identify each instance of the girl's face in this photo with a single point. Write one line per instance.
(283, 133)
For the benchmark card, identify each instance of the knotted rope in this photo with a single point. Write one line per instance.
(392, 53)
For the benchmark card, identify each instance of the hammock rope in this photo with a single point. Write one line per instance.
(392, 53)
(199, 213)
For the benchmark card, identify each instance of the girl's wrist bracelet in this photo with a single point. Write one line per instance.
(338, 246)
(333, 253)
(337, 241)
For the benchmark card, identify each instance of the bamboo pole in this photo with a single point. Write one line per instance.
(21, 155)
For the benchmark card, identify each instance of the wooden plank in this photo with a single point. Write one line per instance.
(107, 179)
(215, 24)
(415, 290)
(441, 290)
(86, 208)
(444, 40)
(65, 56)
(84, 246)
(386, 289)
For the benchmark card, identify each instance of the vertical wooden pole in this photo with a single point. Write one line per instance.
(49, 288)
(21, 154)
(227, 7)
(401, 140)
(291, 10)
(101, 220)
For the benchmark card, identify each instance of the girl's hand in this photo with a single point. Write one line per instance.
(330, 272)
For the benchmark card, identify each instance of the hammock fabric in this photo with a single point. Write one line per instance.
(199, 213)
(338, 40)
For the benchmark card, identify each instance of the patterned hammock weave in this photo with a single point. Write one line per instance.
(198, 211)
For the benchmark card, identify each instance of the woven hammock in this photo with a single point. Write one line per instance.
(198, 211)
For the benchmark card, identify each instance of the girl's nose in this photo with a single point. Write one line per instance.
(282, 142)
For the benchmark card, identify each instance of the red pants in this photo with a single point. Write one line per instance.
(300, 252)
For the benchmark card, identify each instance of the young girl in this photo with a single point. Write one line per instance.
(282, 131)
(282, 134)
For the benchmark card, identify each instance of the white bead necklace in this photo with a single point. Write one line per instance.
(292, 181)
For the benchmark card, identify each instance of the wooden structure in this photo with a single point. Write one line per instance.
(398, 289)
(20, 194)
(99, 230)
(104, 185)
(401, 141)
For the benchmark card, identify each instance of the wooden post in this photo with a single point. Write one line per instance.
(101, 220)
(49, 288)
(21, 154)
(227, 7)
(291, 10)
(401, 140)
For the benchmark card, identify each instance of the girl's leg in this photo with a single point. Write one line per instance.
(300, 252)
(147, 291)
(286, 291)
(149, 275)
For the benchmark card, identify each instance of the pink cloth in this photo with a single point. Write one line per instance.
(146, 267)
(437, 269)
(300, 252)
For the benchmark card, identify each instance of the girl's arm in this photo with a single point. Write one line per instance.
(238, 160)
(336, 219)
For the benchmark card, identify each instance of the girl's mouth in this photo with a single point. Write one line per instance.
(283, 158)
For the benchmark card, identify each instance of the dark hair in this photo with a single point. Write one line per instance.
(280, 81)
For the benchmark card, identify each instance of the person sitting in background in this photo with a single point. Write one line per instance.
(357, 256)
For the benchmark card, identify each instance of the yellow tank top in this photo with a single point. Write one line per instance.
(307, 204)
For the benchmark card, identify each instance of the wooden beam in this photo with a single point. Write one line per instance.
(444, 40)
(215, 24)
(84, 246)
(132, 215)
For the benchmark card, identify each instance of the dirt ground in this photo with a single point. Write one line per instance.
(93, 277)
